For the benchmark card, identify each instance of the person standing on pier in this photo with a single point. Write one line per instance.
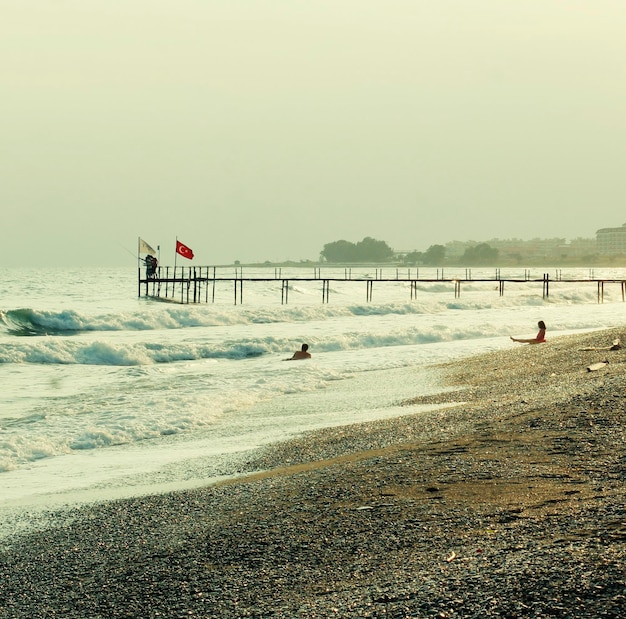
(300, 354)
(151, 266)
(540, 338)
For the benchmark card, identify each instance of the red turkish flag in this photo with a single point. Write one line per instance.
(183, 250)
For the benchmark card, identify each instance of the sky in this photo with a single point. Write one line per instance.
(258, 130)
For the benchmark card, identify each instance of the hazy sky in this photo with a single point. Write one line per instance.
(262, 129)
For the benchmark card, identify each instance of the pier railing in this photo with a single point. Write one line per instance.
(197, 284)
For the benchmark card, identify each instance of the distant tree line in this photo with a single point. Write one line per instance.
(367, 250)
(481, 254)
(433, 256)
(373, 250)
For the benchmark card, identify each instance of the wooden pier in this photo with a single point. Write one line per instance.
(198, 284)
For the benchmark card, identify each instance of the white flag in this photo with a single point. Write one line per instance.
(144, 248)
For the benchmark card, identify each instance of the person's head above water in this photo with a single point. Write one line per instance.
(303, 353)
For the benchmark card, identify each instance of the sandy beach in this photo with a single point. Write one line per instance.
(508, 502)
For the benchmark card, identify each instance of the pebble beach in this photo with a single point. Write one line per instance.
(506, 501)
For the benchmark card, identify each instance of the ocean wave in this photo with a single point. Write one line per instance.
(30, 322)
(66, 351)
(70, 351)
(431, 299)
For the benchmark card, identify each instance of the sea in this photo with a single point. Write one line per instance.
(107, 394)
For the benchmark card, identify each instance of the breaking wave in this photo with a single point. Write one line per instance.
(31, 322)
(101, 352)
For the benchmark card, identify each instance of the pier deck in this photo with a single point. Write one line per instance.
(198, 284)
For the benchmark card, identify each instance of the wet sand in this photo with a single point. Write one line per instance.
(510, 502)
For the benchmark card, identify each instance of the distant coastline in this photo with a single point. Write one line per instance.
(613, 262)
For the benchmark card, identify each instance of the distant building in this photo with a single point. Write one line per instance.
(608, 242)
(455, 249)
(611, 241)
(513, 248)
(536, 248)
(579, 248)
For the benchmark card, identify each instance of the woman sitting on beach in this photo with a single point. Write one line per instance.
(540, 338)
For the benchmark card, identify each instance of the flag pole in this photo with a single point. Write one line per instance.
(175, 252)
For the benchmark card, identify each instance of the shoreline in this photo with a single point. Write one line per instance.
(507, 502)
